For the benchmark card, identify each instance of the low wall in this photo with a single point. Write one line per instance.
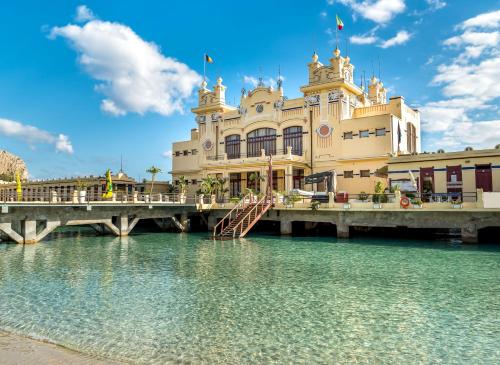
(491, 200)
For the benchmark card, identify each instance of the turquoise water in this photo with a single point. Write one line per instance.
(169, 298)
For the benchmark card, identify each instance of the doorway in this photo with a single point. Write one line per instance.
(483, 177)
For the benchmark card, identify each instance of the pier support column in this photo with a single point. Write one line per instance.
(122, 224)
(469, 234)
(185, 222)
(285, 227)
(342, 230)
(29, 231)
(212, 221)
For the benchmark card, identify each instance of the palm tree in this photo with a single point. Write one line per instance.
(221, 187)
(256, 178)
(153, 170)
(183, 184)
(208, 185)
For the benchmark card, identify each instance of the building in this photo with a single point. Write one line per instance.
(335, 125)
(64, 188)
(443, 173)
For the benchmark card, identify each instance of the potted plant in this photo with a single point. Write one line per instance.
(315, 205)
(182, 189)
(363, 196)
(456, 204)
(82, 191)
(416, 203)
(379, 197)
(290, 199)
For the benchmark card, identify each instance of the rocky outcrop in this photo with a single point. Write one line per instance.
(9, 164)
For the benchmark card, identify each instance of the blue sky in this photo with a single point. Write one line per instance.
(82, 83)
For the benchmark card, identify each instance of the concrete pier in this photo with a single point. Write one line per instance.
(469, 221)
(30, 223)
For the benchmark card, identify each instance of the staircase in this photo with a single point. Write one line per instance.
(242, 217)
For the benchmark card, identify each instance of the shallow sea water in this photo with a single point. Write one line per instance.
(180, 299)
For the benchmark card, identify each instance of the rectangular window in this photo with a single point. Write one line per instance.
(177, 153)
(380, 132)
(185, 152)
(194, 151)
(364, 134)
(348, 174)
(176, 182)
(194, 181)
(364, 173)
(347, 135)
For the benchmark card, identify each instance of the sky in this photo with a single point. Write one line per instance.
(84, 85)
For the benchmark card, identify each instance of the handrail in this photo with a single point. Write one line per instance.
(256, 207)
(240, 206)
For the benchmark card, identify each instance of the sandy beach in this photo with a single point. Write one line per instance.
(17, 350)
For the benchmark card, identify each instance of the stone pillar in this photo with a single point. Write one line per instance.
(469, 234)
(331, 200)
(212, 221)
(135, 197)
(53, 196)
(29, 231)
(288, 178)
(342, 230)
(285, 227)
(122, 224)
(75, 197)
(185, 222)
(479, 201)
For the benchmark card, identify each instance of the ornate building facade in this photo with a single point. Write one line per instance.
(335, 125)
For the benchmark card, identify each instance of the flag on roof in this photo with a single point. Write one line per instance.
(340, 25)
(208, 59)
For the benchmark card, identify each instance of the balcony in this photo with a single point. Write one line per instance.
(280, 154)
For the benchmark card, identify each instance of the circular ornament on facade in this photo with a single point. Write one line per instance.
(324, 130)
(208, 145)
(260, 108)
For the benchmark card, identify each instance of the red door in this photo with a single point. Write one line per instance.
(483, 177)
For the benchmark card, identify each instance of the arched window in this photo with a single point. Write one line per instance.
(232, 143)
(292, 136)
(261, 139)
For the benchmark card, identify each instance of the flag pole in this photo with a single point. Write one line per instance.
(205, 67)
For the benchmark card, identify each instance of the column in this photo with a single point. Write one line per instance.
(288, 178)
(469, 234)
(122, 224)
(342, 230)
(285, 227)
(29, 231)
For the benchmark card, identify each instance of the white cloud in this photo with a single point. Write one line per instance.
(471, 87)
(167, 154)
(254, 81)
(435, 4)
(323, 14)
(83, 14)
(480, 134)
(33, 135)
(379, 11)
(363, 39)
(133, 74)
(485, 20)
(400, 38)
(63, 144)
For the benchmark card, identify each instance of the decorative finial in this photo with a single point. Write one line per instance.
(347, 60)
(373, 80)
(315, 57)
(243, 92)
(336, 52)
(219, 81)
(261, 82)
(204, 84)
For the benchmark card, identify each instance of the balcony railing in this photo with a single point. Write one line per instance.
(252, 155)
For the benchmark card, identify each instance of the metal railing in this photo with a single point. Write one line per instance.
(256, 211)
(69, 197)
(253, 155)
(235, 212)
